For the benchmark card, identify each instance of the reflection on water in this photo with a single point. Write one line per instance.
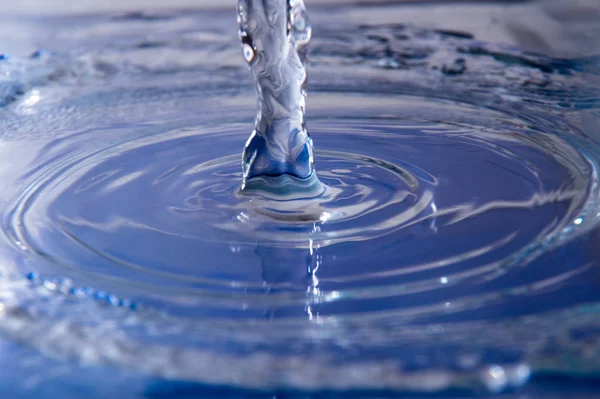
(448, 246)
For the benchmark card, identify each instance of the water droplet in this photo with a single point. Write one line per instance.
(112, 300)
(495, 379)
(50, 285)
(100, 295)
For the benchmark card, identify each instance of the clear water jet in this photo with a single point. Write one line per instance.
(275, 35)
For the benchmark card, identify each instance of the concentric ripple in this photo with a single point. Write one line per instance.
(161, 215)
(449, 244)
(405, 232)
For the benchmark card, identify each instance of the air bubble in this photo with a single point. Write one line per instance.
(248, 53)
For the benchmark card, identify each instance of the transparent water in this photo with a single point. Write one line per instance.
(275, 37)
(457, 259)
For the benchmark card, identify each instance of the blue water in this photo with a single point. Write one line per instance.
(275, 37)
(451, 254)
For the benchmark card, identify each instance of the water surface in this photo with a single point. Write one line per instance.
(452, 253)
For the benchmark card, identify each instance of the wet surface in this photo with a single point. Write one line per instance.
(452, 251)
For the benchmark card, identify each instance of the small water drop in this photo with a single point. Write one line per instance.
(124, 303)
(50, 285)
(112, 300)
(32, 276)
(495, 378)
(100, 295)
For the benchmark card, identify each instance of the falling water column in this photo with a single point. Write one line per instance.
(275, 36)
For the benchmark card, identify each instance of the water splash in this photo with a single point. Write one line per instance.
(275, 36)
(455, 249)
